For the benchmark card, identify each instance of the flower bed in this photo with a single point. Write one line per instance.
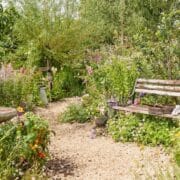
(23, 145)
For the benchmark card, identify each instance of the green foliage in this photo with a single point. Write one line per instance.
(100, 15)
(121, 80)
(156, 100)
(111, 77)
(159, 46)
(8, 42)
(115, 78)
(95, 103)
(66, 83)
(21, 88)
(153, 131)
(23, 145)
(75, 113)
(176, 149)
(48, 32)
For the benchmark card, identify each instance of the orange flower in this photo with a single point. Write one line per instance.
(41, 155)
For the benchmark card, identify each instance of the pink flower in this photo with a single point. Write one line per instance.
(89, 70)
(97, 58)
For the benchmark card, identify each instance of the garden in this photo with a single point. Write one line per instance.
(66, 70)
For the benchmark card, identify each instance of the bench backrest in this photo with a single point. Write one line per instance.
(159, 87)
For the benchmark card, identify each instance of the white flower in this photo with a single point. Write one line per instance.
(54, 70)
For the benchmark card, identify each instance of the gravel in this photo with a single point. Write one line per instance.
(75, 155)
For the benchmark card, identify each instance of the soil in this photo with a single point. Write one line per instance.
(76, 155)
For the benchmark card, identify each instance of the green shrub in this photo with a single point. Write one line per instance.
(75, 113)
(159, 100)
(121, 77)
(113, 78)
(23, 145)
(65, 84)
(123, 128)
(21, 88)
(153, 131)
(106, 79)
(176, 149)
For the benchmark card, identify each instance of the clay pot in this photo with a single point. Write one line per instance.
(100, 121)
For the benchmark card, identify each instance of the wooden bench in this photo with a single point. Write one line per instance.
(157, 87)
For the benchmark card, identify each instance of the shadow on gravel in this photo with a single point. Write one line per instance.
(60, 166)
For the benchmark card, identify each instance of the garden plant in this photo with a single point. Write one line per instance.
(94, 49)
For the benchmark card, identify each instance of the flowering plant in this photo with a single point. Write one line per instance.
(23, 145)
(18, 85)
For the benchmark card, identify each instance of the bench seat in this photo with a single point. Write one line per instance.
(153, 86)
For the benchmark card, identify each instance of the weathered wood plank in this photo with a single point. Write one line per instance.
(158, 92)
(159, 81)
(7, 113)
(147, 110)
(160, 87)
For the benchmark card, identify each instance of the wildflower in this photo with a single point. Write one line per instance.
(41, 155)
(33, 147)
(54, 70)
(97, 58)
(20, 109)
(89, 70)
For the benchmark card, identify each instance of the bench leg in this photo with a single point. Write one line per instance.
(133, 98)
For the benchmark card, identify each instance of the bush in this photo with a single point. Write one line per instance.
(23, 145)
(105, 79)
(95, 103)
(19, 87)
(113, 78)
(121, 78)
(66, 84)
(13, 92)
(75, 113)
(153, 131)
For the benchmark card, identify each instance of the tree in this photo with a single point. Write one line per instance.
(8, 42)
(159, 41)
(48, 30)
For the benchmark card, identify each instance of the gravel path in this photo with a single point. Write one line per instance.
(75, 156)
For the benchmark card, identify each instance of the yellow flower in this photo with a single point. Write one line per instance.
(33, 147)
(177, 134)
(20, 109)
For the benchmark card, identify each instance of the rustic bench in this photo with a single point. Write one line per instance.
(157, 87)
